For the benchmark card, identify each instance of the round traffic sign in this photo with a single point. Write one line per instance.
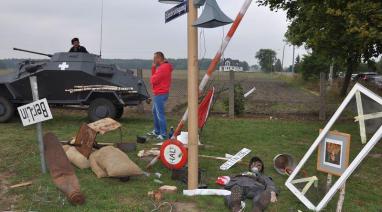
(173, 154)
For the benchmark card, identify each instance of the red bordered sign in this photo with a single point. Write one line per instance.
(173, 154)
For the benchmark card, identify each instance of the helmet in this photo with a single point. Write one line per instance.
(283, 163)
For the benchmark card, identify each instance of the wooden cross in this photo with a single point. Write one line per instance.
(310, 181)
(361, 118)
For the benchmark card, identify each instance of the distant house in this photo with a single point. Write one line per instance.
(230, 65)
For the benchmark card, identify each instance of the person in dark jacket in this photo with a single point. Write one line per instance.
(251, 185)
(77, 47)
(160, 80)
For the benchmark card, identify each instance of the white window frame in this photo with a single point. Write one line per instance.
(354, 164)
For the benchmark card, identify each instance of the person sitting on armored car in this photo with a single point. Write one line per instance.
(251, 185)
(77, 47)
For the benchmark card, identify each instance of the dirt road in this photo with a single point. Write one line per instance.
(273, 95)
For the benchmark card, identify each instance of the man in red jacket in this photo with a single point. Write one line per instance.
(160, 83)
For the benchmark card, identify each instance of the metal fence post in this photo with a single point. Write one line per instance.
(140, 108)
(231, 94)
(322, 115)
(34, 88)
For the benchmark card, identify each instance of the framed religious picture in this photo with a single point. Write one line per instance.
(333, 153)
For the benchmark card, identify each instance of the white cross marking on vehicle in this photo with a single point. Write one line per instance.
(63, 66)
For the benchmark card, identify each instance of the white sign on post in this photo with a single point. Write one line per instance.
(234, 159)
(35, 112)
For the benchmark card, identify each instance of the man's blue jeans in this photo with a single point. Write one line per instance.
(160, 126)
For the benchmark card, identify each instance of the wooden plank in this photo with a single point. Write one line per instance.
(21, 184)
(309, 180)
(362, 127)
(105, 125)
(85, 140)
(368, 116)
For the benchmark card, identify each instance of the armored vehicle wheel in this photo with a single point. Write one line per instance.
(119, 112)
(7, 110)
(101, 108)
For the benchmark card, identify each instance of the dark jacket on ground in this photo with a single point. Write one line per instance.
(252, 184)
(78, 49)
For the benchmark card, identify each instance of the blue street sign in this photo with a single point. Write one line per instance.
(176, 11)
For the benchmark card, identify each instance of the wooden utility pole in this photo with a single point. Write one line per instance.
(231, 99)
(193, 78)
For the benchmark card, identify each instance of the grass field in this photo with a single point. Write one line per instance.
(19, 161)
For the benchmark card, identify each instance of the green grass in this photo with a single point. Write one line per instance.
(19, 156)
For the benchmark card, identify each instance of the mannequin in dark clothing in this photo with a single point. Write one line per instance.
(251, 185)
(77, 47)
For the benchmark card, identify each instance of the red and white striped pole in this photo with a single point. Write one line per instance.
(216, 60)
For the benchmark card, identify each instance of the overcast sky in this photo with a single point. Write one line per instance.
(132, 29)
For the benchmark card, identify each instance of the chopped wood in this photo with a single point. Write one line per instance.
(168, 189)
(28, 183)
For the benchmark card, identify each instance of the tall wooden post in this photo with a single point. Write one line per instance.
(231, 99)
(140, 108)
(322, 115)
(193, 74)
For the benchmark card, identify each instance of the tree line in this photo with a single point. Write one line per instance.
(312, 64)
(179, 64)
(345, 33)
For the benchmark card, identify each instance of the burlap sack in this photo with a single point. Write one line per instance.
(98, 171)
(116, 163)
(76, 158)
